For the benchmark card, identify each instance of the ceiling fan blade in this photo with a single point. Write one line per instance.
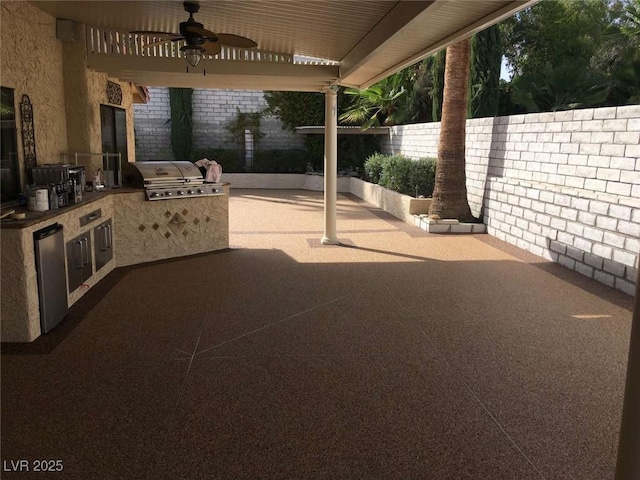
(203, 32)
(212, 48)
(235, 41)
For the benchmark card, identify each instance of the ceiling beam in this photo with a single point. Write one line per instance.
(400, 16)
(219, 73)
(198, 80)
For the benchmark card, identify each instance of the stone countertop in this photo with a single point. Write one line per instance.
(35, 217)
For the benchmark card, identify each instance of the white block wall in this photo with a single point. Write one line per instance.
(152, 127)
(563, 185)
(213, 110)
(599, 239)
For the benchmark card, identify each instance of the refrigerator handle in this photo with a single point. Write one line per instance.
(81, 256)
(86, 259)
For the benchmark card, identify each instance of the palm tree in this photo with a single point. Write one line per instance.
(450, 192)
(380, 104)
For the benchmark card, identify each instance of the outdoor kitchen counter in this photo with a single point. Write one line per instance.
(143, 231)
(36, 217)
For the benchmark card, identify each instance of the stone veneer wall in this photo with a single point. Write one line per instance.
(562, 185)
(212, 112)
(20, 308)
(148, 231)
(65, 95)
(31, 64)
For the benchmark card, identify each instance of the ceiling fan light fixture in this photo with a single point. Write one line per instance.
(193, 54)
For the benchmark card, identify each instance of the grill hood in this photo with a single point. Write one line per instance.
(166, 180)
(145, 174)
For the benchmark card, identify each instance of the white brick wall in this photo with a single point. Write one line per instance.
(603, 247)
(212, 112)
(579, 169)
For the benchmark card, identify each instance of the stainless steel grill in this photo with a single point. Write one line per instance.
(165, 180)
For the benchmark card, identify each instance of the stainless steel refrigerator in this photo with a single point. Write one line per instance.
(52, 278)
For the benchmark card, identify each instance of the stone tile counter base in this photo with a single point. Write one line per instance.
(143, 231)
(148, 231)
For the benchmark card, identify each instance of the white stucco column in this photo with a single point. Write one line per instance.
(330, 166)
(628, 465)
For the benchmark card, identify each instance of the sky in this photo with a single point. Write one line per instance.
(504, 70)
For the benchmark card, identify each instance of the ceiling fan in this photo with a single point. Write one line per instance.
(198, 40)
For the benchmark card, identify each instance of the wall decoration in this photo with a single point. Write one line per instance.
(28, 135)
(114, 93)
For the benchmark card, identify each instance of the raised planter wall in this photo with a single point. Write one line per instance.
(562, 185)
(392, 202)
(284, 181)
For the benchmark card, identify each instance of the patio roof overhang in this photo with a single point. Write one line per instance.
(304, 46)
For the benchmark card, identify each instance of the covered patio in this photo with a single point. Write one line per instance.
(397, 354)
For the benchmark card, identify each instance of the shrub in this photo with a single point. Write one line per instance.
(402, 174)
(352, 150)
(423, 177)
(280, 161)
(373, 167)
(181, 122)
(396, 174)
(229, 158)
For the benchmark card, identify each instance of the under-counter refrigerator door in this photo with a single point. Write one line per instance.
(52, 281)
(103, 244)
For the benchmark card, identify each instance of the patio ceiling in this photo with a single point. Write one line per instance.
(364, 41)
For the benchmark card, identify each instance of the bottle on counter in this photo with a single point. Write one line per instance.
(53, 197)
(97, 180)
(60, 192)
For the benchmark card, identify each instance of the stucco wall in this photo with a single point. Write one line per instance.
(85, 91)
(213, 110)
(31, 63)
(66, 97)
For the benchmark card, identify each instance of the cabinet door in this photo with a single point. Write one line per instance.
(79, 264)
(103, 244)
(87, 270)
(75, 263)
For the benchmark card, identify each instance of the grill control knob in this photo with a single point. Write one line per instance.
(189, 192)
(200, 190)
(155, 195)
(168, 194)
(180, 192)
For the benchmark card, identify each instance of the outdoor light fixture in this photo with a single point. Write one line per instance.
(193, 54)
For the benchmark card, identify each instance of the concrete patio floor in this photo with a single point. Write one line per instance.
(397, 355)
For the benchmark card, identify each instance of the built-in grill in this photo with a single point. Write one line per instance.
(165, 180)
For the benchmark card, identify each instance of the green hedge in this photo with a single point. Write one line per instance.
(402, 174)
(227, 157)
(280, 161)
(353, 150)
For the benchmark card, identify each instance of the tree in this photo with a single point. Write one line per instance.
(551, 32)
(295, 109)
(450, 192)
(239, 125)
(566, 86)
(181, 122)
(437, 66)
(484, 73)
(631, 25)
(381, 104)
(544, 42)
(420, 92)
(619, 56)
